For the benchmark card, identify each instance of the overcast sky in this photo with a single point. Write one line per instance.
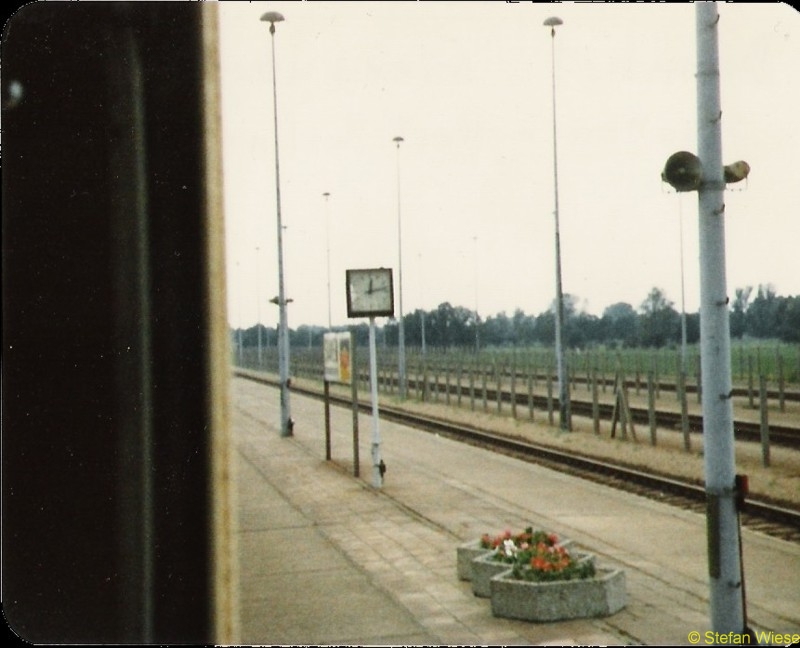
(468, 87)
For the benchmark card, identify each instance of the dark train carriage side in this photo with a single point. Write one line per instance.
(110, 332)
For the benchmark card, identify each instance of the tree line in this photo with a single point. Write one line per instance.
(759, 313)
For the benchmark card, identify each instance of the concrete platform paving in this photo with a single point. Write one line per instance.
(325, 558)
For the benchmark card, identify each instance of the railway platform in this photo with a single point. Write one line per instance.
(325, 558)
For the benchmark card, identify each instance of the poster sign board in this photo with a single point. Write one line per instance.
(337, 357)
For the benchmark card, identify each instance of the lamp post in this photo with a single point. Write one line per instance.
(561, 363)
(239, 324)
(401, 337)
(258, 303)
(475, 282)
(327, 195)
(422, 308)
(283, 331)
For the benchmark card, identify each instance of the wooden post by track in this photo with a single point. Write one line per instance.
(699, 380)
(687, 443)
(513, 389)
(460, 377)
(498, 377)
(628, 416)
(621, 411)
(616, 415)
(762, 389)
(530, 395)
(658, 380)
(651, 407)
(472, 386)
(595, 404)
(483, 386)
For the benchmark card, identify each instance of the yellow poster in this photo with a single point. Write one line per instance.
(337, 358)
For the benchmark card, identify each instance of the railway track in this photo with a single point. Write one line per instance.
(782, 435)
(772, 394)
(773, 518)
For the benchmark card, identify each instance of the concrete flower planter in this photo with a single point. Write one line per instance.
(484, 568)
(465, 554)
(602, 595)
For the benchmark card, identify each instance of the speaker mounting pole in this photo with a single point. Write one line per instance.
(725, 572)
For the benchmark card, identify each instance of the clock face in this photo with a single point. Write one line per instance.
(370, 293)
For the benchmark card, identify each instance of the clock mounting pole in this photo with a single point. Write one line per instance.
(377, 463)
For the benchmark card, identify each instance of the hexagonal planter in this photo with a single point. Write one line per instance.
(484, 568)
(602, 595)
(469, 551)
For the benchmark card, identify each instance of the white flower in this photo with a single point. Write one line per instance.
(509, 548)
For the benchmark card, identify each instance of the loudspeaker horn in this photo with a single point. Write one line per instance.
(736, 171)
(683, 171)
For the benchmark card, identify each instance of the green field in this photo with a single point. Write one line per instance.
(776, 361)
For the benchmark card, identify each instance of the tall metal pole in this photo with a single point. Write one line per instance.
(726, 588)
(239, 326)
(327, 195)
(561, 362)
(377, 474)
(258, 303)
(422, 308)
(683, 292)
(475, 282)
(401, 340)
(283, 332)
